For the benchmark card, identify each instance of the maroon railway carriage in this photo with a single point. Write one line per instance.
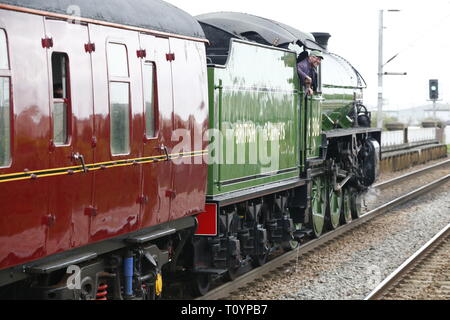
(89, 104)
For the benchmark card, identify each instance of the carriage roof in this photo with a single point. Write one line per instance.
(154, 15)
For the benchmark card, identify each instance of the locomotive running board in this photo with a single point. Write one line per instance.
(251, 193)
(337, 133)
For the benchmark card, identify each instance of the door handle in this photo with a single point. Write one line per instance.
(171, 194)
(80, 157)
(166, 151)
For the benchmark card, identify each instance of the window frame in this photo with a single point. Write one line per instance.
(155, 101)
(108, 55)
(6, 73)
(111, 119)
(319, 79)
(7, 50)
(67, 101)
(112, 79)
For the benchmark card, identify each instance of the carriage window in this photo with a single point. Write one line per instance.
(4, 60)
(119, 98)
(61, 98)
(5, 102)
(149, 99)
(5, 130)
(117, 60)
(120, 117)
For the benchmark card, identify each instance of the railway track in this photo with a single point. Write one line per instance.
(426, 275)
(415, 174)
(290, 258)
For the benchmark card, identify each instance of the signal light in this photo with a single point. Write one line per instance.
(434, 89)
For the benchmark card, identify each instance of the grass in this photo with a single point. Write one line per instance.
(448, 148)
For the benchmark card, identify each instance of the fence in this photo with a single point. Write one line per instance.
(409, 136)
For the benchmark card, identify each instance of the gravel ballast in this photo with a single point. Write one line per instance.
(376, 197)
(355, 263)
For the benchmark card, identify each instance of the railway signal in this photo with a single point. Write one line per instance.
(434, 89)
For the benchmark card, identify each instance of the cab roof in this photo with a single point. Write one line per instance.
(250, 27)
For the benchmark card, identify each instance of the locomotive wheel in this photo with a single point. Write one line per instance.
(334, 212)
(232, 273)
(262, 248)
(356, 205)
(290, 245)
(318, 206)
(233, 269)
(260, 260)
(346, 213)
(201, 284)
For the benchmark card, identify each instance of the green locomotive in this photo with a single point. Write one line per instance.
(282, 165)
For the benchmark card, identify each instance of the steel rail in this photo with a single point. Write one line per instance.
(389, 183)
(390, 282)
(225, 290)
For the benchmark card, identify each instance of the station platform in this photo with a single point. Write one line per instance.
(408, 155)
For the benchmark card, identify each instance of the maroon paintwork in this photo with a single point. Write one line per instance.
(43, 216)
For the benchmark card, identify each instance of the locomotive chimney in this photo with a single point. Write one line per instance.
(322, 38)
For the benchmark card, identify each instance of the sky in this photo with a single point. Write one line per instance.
(419, 34)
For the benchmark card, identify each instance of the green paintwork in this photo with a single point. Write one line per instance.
(333, 118)
(314, 128)
(341, 86)
(346, 210)
(335, 200)
(318, 204)
(254, 97)
(337, 104)
(326, 111)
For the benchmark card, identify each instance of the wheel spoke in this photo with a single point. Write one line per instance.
(318, 206)
(346, 214)
(334, 209)
(356, 204)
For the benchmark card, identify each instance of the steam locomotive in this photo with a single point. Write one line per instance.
(140, 145)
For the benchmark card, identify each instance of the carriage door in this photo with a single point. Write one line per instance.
(118, 131)
(158, 113)
(71, 114)
(191, 118)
